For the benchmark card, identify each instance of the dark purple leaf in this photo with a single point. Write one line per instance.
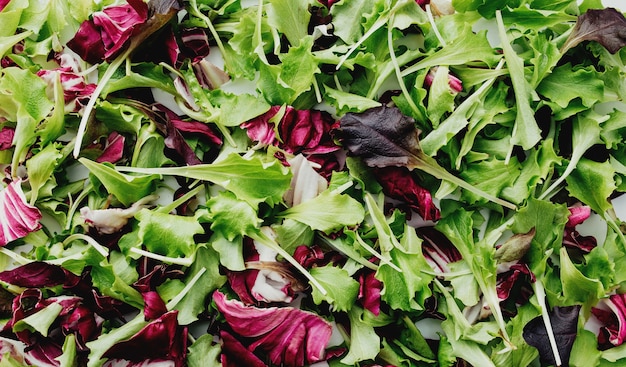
(513, 285)
(36, 274)
(605, 26)
(400, 184)
(82, 322)
(167, 340)
(383, 136)
(291, 337)
(564, 322)
(235, 354)
(611, 313)
(157, 276)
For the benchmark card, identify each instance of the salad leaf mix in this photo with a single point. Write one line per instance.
(326, 183)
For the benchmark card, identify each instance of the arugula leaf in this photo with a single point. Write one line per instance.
(127, 189)
(41, 167)
(406, 290)
(251, 180)
(458, 227)
(525, 132)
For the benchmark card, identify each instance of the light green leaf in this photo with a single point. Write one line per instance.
(592, 183)
(341, 288)
(41, 320)
(230, 216)
(328, 212)
(40, 168)
(348, 102)
(566, 83)
(290, 18)
(364, 342)
(526, 133)
(127, 189)
(585, 351)
(252, 180)
(195, 301)
(204, 352)
(98, 347)
(68, 357)
(168, 234)
(577, 288)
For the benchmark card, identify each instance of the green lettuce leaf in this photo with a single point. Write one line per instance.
(342, 288)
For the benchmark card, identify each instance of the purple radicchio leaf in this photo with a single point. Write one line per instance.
(571, 238)
(6, 137)
(564, 322)
(265, 279)
(605, 26)
(146, 363)
(383, 136)
(235, 354)
(456, 84)
(37, 274)
(113, 149)
(155, 276)
(400, 184)
(192, 44)
(513, 285)
(167, 341)
(290, 337)
(611, 313)
(369, 291)
(76, 92)
(154, 306)
(106, 34)
(299, 131)
(4, 3)
(17, 217)
(43, 354)
(438, 250)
